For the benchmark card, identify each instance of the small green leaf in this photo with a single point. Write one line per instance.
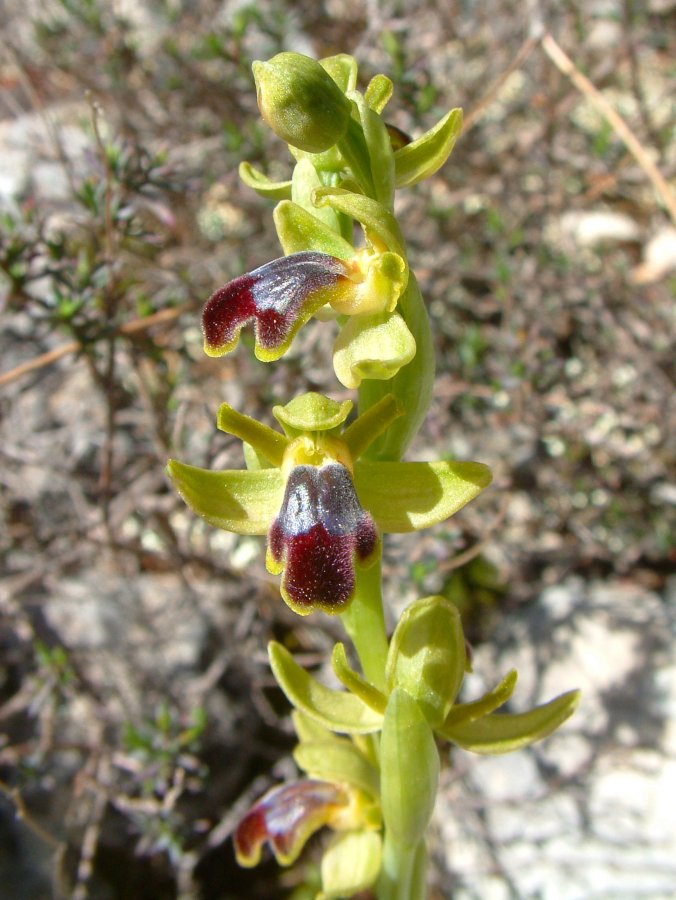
(265, 440)
(378, 92)
(336, 710)
(405, 497)
(235, 500)
(380, 226)
(504, 732)
(409, 770)
(492, 700)
(427, 656)
(338, 761)
(300, 230)
(372, 346)
(424, 156)
(311, 412)
(272, 190)
(355, 683)
(350, 864)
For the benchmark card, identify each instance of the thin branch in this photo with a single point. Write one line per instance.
(522, 55)
(565, 65)
(14, 794)
(163, 317)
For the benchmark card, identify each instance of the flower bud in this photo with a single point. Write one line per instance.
(301, 102)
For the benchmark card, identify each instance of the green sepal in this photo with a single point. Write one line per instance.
(254, 460)
(505, 732)
(412, 385)
(380, 226)
(298, 229)
(339, 761)
(379, 149)
(424, 156)
(369, 425)
(350, 864)
(336, 710)
(378, 92)
(408, 496)
(311, 412)
(374, 346)
(492, 700)
(355, 683)
(343, 69)
(427, 656)
(235, 500)
(265, 440)
(259, 182)
(409, 770)
(303, 184)
(309, 730)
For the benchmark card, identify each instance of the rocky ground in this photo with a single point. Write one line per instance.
(137, 714)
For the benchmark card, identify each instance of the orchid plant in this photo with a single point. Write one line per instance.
(328, 484)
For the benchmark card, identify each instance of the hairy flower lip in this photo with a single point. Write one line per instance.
(321, 531)
(286, 817)
(279, 297)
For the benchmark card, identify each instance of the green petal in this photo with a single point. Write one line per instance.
(304, 182)
(409, 770)
(354, 682)
(311, 412)
(372, 346)
(504, 732)
(378, 92)
(427, 656)
(336, 710)
(350, 864)
(338, 761)
(380, 226)
(265, 440)
(492, 700)
(342, 68)
(369, 425)
(300, 230)
(408, 496)
(423, 157)
(235, 500)
(272, 190)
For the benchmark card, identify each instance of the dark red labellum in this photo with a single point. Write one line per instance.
(278, 296)
(320, 530)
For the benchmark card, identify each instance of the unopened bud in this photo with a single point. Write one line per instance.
(301, 102)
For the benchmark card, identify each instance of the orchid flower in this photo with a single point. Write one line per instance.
(321, 506)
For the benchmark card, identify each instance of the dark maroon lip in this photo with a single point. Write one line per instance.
(320, 532)
(277, 297)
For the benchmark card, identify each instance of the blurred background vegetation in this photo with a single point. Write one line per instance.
(137, 716)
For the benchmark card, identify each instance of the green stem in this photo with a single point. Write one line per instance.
(365, 624)
(402, 876)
